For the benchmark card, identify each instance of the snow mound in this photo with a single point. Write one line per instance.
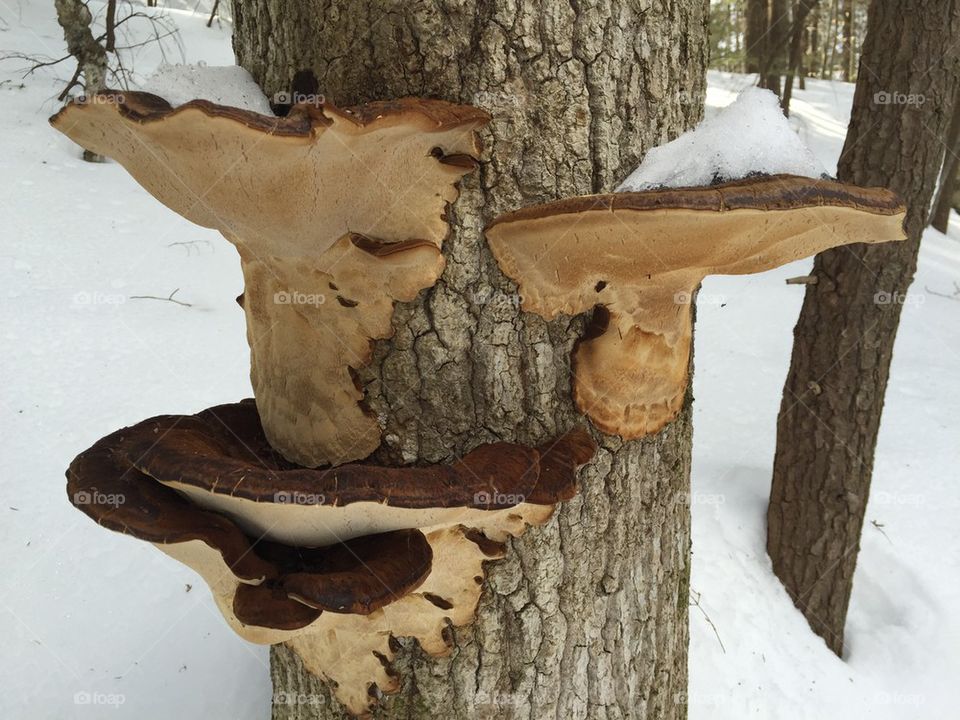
(751, 135)
(225, 85)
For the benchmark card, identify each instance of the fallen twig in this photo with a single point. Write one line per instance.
(169, 298)
(695, 602)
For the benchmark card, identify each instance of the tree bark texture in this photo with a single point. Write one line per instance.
(755, 34)
(843, 341)
(587, 616)
(948, 196)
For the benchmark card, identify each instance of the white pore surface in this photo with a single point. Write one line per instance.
(751, 135)
(224, 84)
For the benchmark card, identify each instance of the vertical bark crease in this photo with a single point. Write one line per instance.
(587, 616)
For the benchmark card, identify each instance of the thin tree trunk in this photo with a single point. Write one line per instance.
(755, 36)
(830, 47)
(813, 53)
(800, 12)
(775, 53)
(587, 616)
(946, 197)
(846, 56)
(843, 341)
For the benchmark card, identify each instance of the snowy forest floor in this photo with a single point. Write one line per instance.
(94, 621)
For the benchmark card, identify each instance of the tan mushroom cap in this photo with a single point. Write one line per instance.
(336, 214)
(638, 257)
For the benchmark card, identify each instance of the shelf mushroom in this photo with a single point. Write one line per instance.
(638, 257)
(339, 605)
(336, 214)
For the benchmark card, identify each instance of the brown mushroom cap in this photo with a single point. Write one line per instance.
(358, 576)
(340, 606)
(640, 257)
(221, 460)
(336, 213)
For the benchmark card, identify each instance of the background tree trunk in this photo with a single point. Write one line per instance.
(801, 10)
(775, 52)
(947, 191)
(847, 55)
(843, 341)
(587, 617)
(755, 35)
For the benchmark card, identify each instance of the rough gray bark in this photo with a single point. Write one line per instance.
(587, 617)
(75, 19)
(843, 341)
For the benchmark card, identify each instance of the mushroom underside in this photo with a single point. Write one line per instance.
(336, 214)
(637, 259)
(338, 605)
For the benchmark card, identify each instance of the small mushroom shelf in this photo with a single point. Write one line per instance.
(336, 214)
(637, 258)
(337, 605)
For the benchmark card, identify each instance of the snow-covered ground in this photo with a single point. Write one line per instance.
(99, 625)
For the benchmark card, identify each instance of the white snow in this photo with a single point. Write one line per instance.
(96, 624)
(224, 85)
(750, 135)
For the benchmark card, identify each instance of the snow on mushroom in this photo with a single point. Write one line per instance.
(402, 550)
(638, 257)
(336, 214)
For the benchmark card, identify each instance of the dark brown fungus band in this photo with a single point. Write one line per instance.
(339, 605)
(221, 459)
(294, 584)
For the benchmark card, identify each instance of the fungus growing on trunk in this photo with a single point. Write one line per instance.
(338, 605)
(221, 460)
(336, 214)
(638, 258)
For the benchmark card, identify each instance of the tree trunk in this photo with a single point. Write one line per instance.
(774, 60)
(843, 341)
(756, 34)
(800, 12)
(947, 192)
(830, 47)
(846, 55)
(587, 616)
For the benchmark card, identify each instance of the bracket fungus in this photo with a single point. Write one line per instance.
(336, 214)
(637, 258)
(314, 566)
